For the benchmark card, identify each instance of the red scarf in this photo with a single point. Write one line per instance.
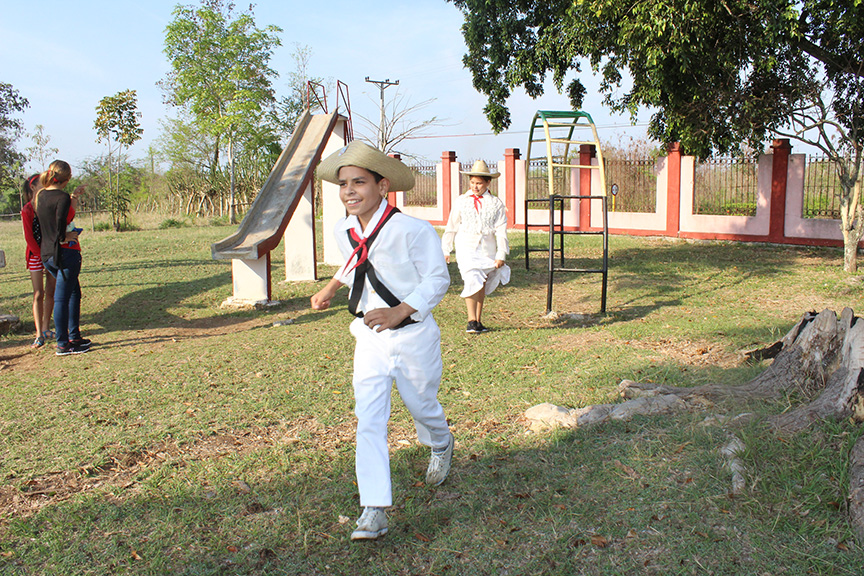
(361, 251)
(477, 202)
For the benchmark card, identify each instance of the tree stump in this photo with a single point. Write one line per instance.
(820, 359)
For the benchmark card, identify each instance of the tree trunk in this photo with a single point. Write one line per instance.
(851, 224)
(232, 217)
(850, 251)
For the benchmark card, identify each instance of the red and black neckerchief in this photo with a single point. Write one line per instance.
(363, 268)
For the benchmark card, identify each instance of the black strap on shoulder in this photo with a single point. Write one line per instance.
(366, 270)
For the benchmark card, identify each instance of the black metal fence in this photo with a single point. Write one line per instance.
(538, 180)
(726, 186)
(723, 186)
(425, 191)
(822, 189)
(637, 184)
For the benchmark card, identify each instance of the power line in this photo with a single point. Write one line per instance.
(509, 132)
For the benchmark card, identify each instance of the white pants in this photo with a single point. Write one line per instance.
(410, 356)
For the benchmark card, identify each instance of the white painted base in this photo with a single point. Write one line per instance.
(251, 279)
(300, 241)
(246, 304)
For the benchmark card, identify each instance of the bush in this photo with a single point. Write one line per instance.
(171, 223)
(125, 226)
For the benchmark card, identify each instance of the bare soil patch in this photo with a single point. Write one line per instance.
(688, 352)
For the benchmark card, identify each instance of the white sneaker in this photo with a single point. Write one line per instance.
(439, 464)
(371, 524)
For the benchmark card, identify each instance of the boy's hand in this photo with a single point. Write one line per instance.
(386, 318)
(321, 300)
(499, 263)
(447, 258)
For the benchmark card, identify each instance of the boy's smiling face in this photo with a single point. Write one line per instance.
(359, 192)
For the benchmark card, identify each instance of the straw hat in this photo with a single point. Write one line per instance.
(481, 169)
(362, 155)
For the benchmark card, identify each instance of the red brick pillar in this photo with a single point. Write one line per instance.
(391, 195)
(779, 171)
(510, 157)
(446, 159)
(586, 153)
(673, 189)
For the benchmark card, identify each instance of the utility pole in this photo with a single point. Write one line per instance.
(382, 85)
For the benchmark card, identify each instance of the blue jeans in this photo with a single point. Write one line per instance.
(67, 295)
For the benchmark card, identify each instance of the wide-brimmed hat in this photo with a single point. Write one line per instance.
(362, 155)
(481, 169)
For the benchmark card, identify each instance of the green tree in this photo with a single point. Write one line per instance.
(220, 71)
(718, 75)
(11, 127)
(41, 153)
(288, 109)
(117, 124)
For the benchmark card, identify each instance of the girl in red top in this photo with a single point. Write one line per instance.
(43, 284)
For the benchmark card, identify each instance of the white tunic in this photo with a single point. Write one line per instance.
(480, 238)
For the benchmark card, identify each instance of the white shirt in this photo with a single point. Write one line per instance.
(469, 229)
(407, 259)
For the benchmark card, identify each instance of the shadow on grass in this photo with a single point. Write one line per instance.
(154, 304)
(640, 497)
(666, 274)
(657, 258)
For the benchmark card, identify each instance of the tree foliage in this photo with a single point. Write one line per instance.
(41, 152)
(288, 109)
(220, 72)
(117, 121)
(718, 75)
(11, 127)
(194, 182)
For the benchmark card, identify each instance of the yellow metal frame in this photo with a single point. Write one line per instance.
(558, 128)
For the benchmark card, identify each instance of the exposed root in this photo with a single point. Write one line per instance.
(731, 451)
(821, 359)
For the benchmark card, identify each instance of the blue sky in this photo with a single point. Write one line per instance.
(64, 56)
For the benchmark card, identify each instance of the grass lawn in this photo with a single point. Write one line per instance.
(200, 440)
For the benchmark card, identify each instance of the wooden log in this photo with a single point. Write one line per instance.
(856, 488)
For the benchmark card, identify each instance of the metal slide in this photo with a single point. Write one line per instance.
(263, 226)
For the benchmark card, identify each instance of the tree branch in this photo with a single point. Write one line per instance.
(852, 65)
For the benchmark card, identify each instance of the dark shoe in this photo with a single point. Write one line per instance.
(66, 349)
(80, 342)
(481, 328)
(472, 327)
